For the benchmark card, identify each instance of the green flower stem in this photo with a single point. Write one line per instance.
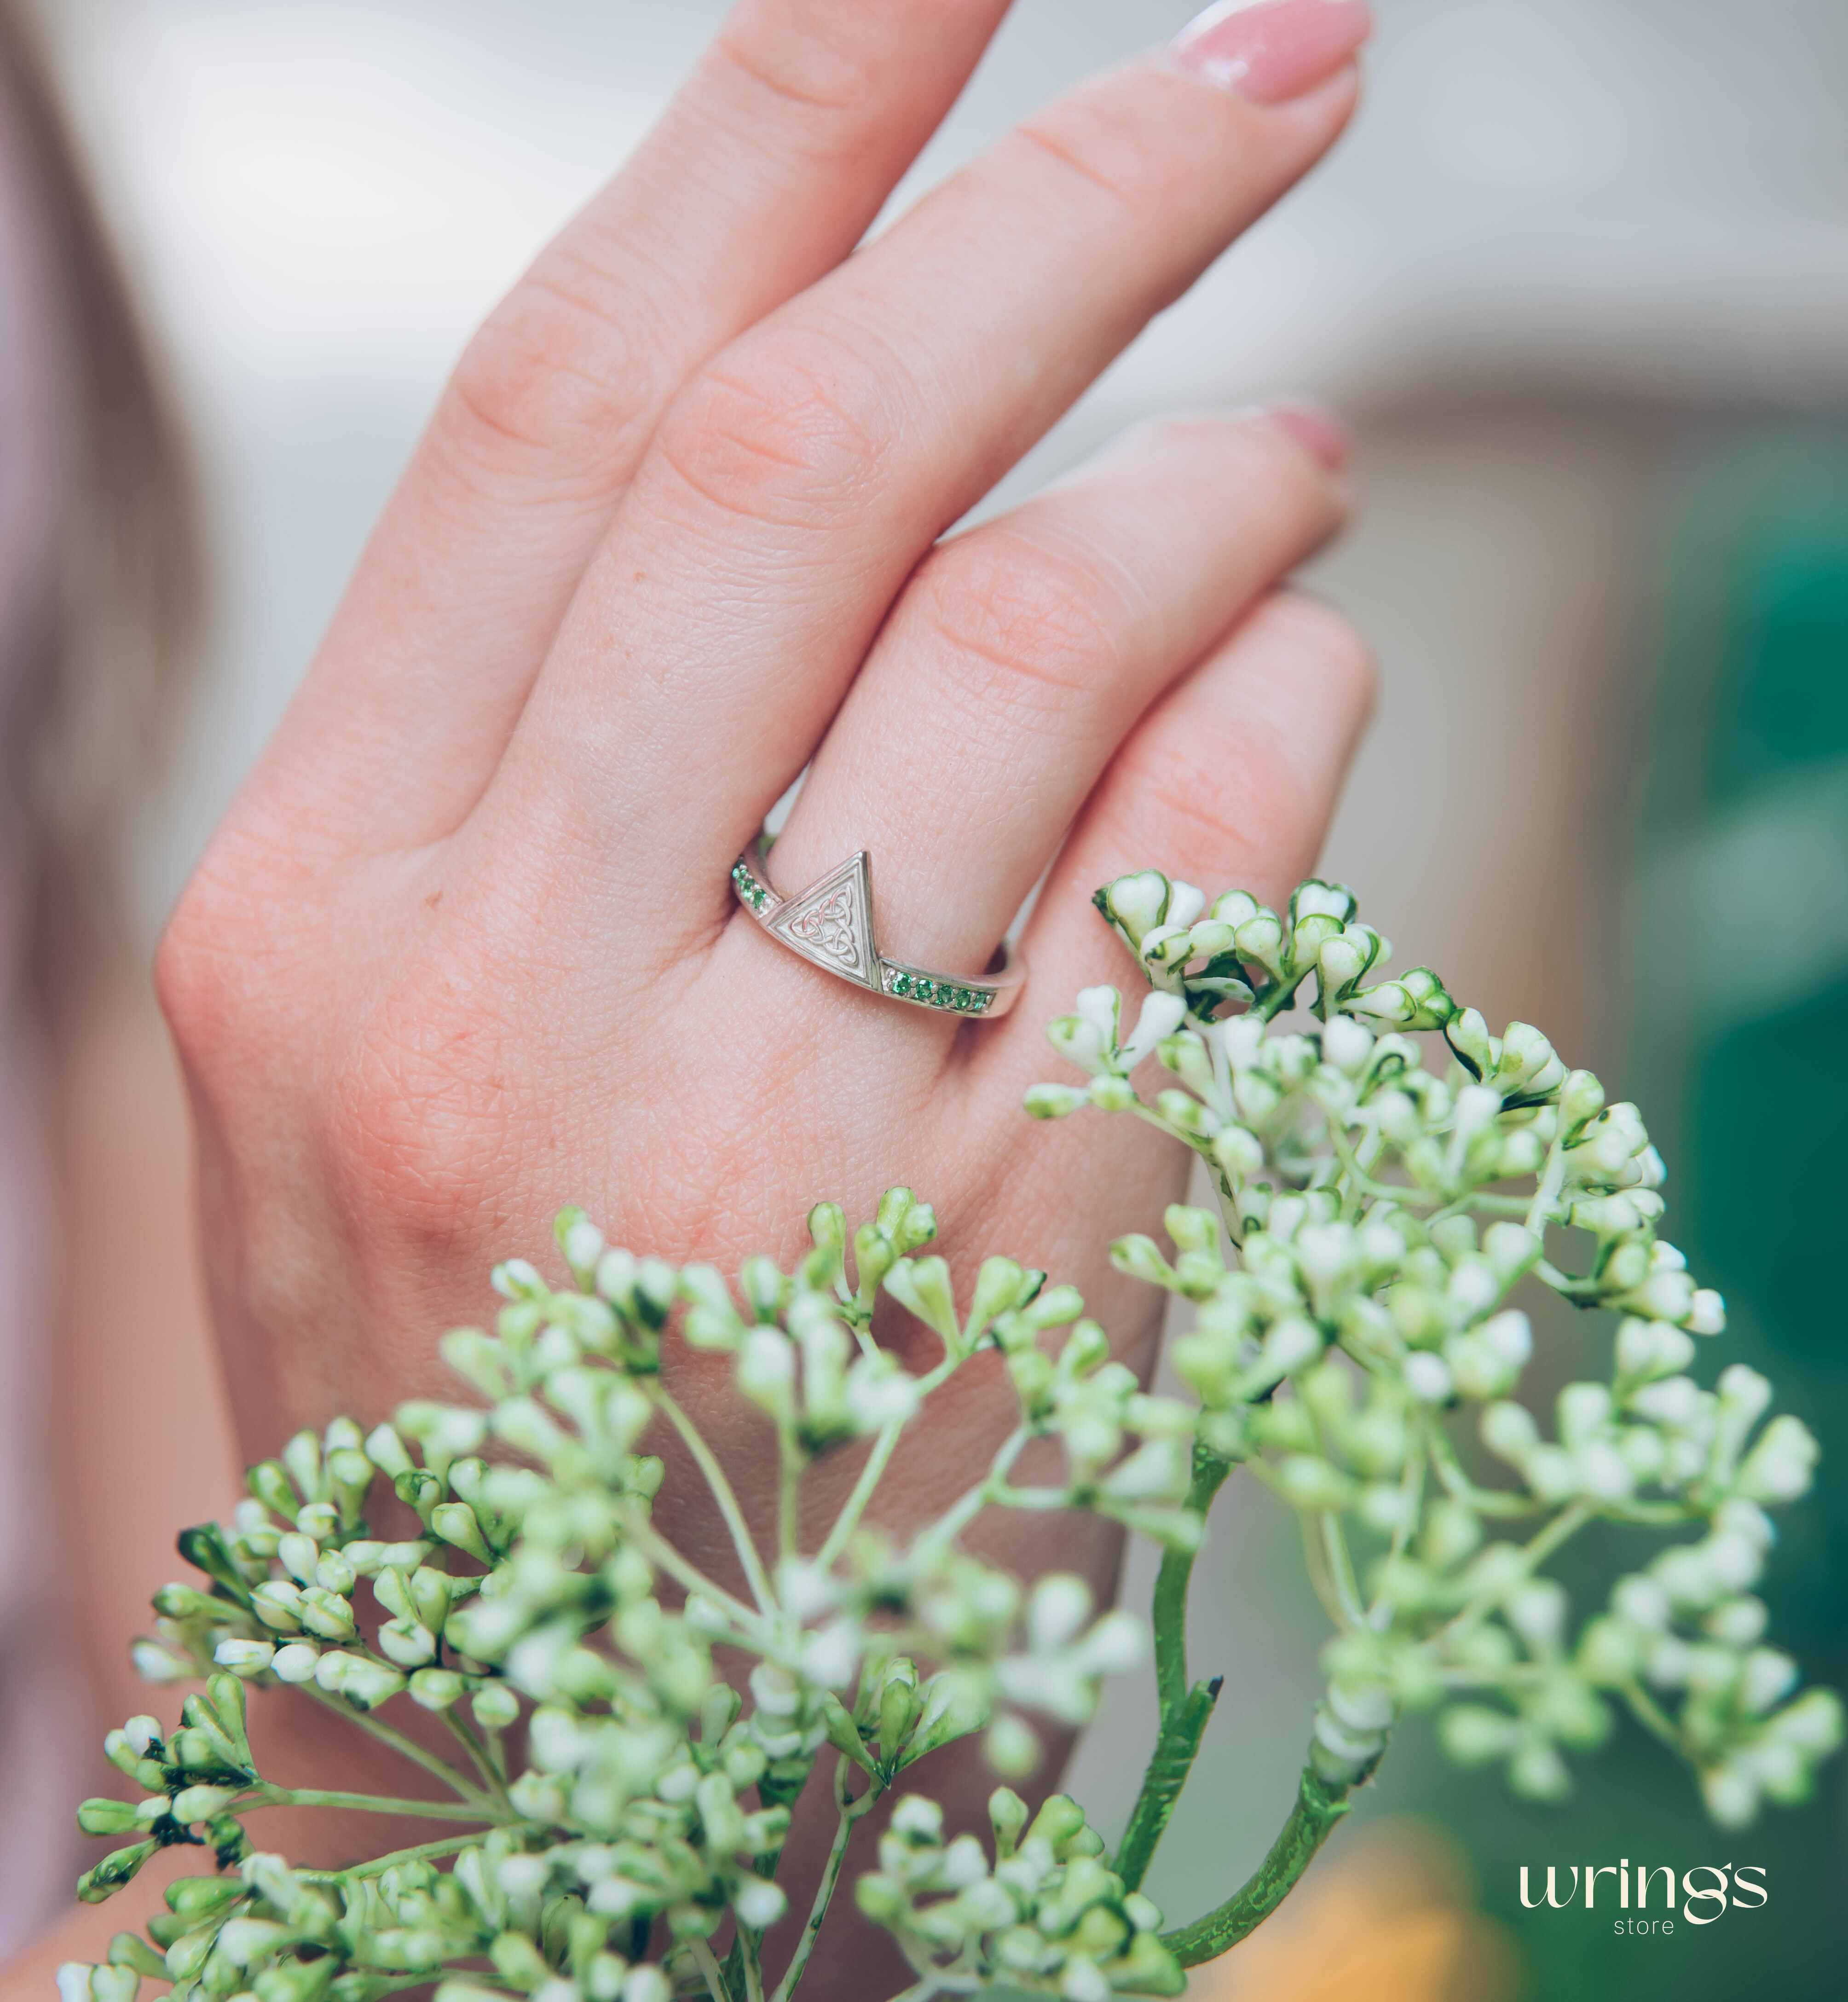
(406, 1748)
(849, 1810)
(1411, 1491)
(1340, 1567)
(873, 1472)
(478, 1755)
(1534, 1552)
(1046, 1500)
(1319, 1807)
(1184, 1711)
(722, 1493)
(1169, 1608)
(1277, 997)
(707, 1963)
(1650, 1715)
(1314, 1558)
(1176, 1746)
(990, 1489)
(750, 1955)
(659, 1552)
(848, 1520)
(421, 1852)
(1460, 1488)
(1552, 1175)
(267, 1796)
(789, 1495)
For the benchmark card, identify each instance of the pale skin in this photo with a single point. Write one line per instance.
(464, 948)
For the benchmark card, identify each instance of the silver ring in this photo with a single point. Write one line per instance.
(831, 925)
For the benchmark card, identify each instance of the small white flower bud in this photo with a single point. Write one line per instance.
(1508, 1431)
(1767, 1678)
(1707, 1313)
(245, 1657)
(1780, 1466)
(1640, 1600)
(759, 1902)
(1011, 1746)
(1537, 1612)
(153, 1663)
(1160, 1016)
(583, 1246)
(1427, 1377)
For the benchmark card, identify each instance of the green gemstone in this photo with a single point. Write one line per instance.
(921, 990)
(901, 983)
(963, 997)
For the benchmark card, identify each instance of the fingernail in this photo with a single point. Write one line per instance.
(1320, 432)
(1271, 50)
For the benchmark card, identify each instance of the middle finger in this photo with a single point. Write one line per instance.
(792, 487)
(1023, 652)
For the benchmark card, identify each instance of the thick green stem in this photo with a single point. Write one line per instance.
(1319, 1807)
(1168, 1769)
(1169, 1609)
(1184, 1711)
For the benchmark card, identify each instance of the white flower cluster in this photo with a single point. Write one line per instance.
(1046, 1916)
(544, 1590)
(1355, 1300)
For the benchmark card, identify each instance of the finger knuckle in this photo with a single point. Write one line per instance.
(1180, 805)
(820, 82)
(559, 379)
(1112, 149)
(784, 431)
(1020, 622)
(222, 957)
(418, 1123)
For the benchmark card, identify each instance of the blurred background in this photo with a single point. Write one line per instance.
(1579, 277)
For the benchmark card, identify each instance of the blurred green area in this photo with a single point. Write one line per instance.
(1736, 1047)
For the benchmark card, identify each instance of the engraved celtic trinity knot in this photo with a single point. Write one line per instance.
(831, 922)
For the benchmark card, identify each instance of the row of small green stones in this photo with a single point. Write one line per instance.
(749, 888)
(940, 993)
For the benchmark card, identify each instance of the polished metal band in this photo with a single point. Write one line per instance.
(831, 925)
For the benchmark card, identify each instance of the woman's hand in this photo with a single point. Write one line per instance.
(465, 947)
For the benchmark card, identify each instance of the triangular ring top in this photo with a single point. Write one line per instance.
(831, 922)
(831, 925)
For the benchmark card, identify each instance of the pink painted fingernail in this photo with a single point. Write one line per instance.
(1271, 50)
(1320, 432)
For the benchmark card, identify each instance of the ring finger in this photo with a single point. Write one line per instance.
(1023, 652)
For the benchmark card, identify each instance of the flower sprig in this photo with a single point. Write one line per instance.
(1357, 1316)
(543, 1593)
(1357, 1338)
